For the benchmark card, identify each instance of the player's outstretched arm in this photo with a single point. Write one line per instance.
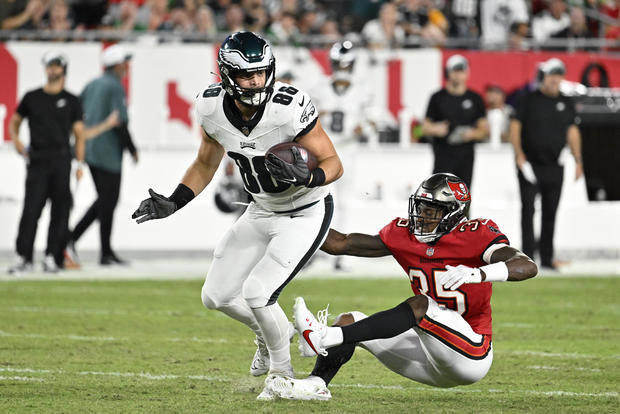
(196, 178)
(519, 265)
(506, 263)
(202, 170)
(354, 244)
(319, 144)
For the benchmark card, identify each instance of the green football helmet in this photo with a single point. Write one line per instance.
(246, 52)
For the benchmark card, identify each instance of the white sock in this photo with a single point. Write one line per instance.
(333, 337)
(275, 328)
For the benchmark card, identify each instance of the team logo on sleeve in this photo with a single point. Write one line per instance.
(460, 191)
(493, 229)
(309, 110)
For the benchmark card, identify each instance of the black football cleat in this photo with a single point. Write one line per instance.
(112, 259)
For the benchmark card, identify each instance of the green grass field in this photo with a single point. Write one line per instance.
(150, 346)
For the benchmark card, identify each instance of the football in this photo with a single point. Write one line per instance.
(283, 151)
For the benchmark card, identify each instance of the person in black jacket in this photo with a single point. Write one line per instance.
(53, 115)
(545, 121)
(455, 119)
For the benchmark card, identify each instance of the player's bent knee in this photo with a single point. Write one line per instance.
(207, 301)
(357, 315)
(210, 300)
(419, 306)
(254, 295)
(344, 319)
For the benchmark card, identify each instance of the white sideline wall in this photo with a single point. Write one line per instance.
(164, 79)
(167, 146)
(581, 225)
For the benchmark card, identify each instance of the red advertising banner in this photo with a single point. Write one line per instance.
(511, 70)
(8, 91)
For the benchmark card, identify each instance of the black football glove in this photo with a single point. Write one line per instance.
(155, 207)
(296, 173)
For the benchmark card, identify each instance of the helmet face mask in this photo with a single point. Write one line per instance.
(427, 216)
(438, 205)
(241, 54)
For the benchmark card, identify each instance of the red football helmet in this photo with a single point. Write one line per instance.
(438, 205)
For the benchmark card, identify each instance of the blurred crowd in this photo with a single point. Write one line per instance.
(512, 24)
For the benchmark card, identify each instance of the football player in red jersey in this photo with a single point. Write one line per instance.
(441, 336)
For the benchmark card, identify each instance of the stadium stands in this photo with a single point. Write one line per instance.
(513, 25)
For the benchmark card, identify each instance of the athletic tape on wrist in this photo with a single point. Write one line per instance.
(495, 272)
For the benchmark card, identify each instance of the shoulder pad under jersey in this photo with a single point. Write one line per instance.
(207, 100)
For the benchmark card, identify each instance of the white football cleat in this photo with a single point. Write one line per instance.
(274, 385)
(49, 264)
(266, 395)
(311, 330)
(21, 266)
(261, 362)
(312, 388)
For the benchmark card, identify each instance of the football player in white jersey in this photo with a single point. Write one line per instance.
(343, 103)
(346, 109)
(243, 116)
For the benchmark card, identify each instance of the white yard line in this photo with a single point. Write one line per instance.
(25, 379)
(144, 375)
(75, 337)
(23, 370)
(557, 354)
(573, 394)
(369, 386)
(161, 377)
(550, 368)
(71, 311)
(94, 311)
(515, 325)
(111, 338)
(69, 336)
(546, 326)
(117, 312)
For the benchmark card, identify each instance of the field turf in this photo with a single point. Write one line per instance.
(151, 347)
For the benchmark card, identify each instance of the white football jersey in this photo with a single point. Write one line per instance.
(288, 114)
(342, 113)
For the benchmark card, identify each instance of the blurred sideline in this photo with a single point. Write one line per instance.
(193, 265)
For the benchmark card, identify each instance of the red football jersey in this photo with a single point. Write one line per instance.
(424, 263)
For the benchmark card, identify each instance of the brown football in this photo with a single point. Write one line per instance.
(283, 151)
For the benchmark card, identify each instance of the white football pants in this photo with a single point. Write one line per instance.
(256, 259)
(442, 351)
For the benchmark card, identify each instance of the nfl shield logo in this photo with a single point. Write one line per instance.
(430, 251)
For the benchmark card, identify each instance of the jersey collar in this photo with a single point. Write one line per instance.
(234, 116)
